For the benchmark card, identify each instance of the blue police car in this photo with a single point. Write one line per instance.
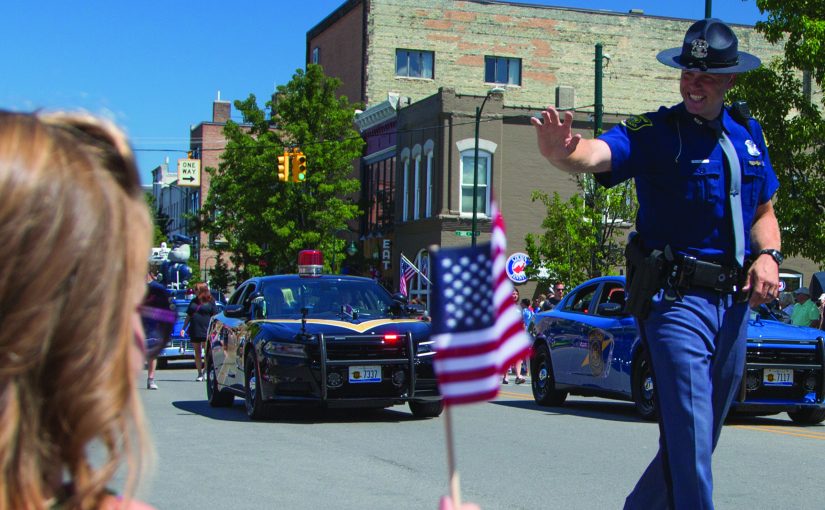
(589, 346)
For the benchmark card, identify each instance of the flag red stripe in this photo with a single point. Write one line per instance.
(469, 398)
(469, 375)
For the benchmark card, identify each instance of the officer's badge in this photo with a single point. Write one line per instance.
(699, 48)
(637, 122)
(753, 150)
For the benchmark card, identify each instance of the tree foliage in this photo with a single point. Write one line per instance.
(792, 122)
(583, 237)
(265, 222)
(160, 220)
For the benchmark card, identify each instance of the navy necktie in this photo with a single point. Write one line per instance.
(735, 194)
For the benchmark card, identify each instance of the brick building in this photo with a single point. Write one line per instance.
(423, 67)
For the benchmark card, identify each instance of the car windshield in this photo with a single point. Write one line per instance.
(326, 297)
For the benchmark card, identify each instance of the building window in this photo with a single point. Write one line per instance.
(428, 202)
(503, 70)
(414, 63)
(417, 188)
(405, 189)
(467, 178)
(316, 55)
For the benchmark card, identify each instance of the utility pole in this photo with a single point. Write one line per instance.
(708, 8)
(597, 94)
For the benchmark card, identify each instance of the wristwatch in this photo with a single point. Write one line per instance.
(776, 254)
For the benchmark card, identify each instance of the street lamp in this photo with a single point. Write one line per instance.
(495, 90)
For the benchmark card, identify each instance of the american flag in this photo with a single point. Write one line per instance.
(477, 329)
(407, 271)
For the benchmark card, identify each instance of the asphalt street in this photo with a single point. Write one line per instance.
(511, 454)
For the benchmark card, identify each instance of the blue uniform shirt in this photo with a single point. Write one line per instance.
(682, 183)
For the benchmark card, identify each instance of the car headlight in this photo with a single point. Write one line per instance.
(425, 348)
(284, 349)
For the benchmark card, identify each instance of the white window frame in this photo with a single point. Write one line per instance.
(408, 53)
(509, 61)
(405, 187)
(486, 149)
(428, 199)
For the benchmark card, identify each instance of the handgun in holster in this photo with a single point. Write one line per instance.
(646, 272)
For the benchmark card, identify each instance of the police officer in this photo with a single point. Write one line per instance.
(704, 184)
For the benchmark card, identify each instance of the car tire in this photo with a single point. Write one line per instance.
(808, 416)
(217, 397)
(643, 394)
(544, 380)
(253, 399)
(426, 408)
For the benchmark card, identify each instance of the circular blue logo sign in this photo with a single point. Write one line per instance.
(516, 264)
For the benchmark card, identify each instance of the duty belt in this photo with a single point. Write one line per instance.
(689, 272)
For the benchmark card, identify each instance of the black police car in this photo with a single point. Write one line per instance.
(324, 340)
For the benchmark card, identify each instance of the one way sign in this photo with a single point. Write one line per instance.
(189, 172)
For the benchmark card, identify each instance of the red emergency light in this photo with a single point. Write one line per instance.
(310, 263)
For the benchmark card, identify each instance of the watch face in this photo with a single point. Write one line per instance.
(776, 254)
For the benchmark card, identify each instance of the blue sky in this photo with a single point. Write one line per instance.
(154, 67)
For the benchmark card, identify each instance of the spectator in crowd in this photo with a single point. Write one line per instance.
(200, 311)
(805, 312)
(556, 294)
(538, 301)
(76, 238)
(518, 363)
(151, 363)
(786, 302)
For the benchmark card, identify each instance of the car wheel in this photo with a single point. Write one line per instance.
(643, 395)
(543, 379)
(162, 363)
(426, 408)
(808, 416)
(216, 396)
(255, 408)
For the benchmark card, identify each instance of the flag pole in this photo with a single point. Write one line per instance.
(455, 485)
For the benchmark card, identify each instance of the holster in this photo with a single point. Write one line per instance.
(646, 271)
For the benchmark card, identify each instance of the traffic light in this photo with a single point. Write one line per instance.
(283, 166)
(299, 166)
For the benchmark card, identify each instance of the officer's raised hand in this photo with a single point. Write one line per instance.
(566, 150)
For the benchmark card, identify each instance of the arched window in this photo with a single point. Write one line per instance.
(428, 200)
(484, 166)
(405, 184)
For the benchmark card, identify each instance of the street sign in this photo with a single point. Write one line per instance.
(466, 233)
(189, 172)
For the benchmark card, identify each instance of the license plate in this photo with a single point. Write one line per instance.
(777, 377)
(364, 374)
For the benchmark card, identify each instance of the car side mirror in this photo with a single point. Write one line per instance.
(235, 311)
(258, 307)
(610, 309)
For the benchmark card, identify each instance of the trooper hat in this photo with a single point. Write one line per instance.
(710, 47)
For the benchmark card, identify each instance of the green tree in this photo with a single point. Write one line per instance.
(159, 219)
(583, 237)
(266, 222)
(793, 124)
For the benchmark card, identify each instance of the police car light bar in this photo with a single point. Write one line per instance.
(310, 263)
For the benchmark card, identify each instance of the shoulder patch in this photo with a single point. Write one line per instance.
(637, 122)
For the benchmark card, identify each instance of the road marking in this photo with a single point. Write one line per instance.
(776, 430)
(521, 396)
